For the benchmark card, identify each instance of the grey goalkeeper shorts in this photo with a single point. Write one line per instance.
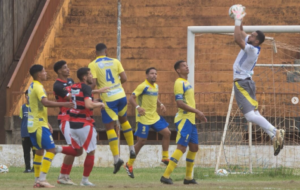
(244, 92)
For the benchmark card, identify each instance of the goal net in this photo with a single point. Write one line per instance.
(236, 145)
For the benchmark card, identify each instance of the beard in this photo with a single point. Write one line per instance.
(89, 82)
(249, 42)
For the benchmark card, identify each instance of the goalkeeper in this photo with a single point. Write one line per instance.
(244, 86)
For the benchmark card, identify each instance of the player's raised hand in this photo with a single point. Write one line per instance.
(141, 111)
(68, 104)
(239, 12)
(201, 116)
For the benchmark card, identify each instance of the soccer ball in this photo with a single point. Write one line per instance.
(231, 14)
(3, 168)
(222, 172)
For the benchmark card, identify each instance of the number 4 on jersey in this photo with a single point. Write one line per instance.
(109, 76)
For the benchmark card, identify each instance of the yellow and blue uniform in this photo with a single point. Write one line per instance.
(106, 70)
(185, 121)
(146, 97)
(37, 125)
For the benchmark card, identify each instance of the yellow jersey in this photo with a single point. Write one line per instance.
(146, 97)
(37, 114)
(184, 91)
(106, 70)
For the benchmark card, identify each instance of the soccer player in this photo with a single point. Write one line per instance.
(244, 86)
(61, 89)
(106, 72)
(38, 126)
(26, 142)
(83, 133)
(187, 134)
(145, 99)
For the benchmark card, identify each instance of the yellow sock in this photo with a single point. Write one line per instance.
(131, 161)
(37, 162)
(165, 155)
(47, 162)
(113, 141)
(127, 131)
(173, 162)
(190, 157)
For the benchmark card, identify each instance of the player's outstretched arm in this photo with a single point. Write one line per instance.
(243, 33)
(239, 14)
(48, 103)
(101, 90)
(92, 105)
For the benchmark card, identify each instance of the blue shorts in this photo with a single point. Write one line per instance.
(186, 133)
(114, 109)
(143, 130)
(42, 139)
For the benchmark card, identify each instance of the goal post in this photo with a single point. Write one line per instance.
(191, 45)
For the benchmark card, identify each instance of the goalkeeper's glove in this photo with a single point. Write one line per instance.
(239, 13)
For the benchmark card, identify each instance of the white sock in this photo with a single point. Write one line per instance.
(36, 179)
(62, 175)
(116, 159)
(85, 179)
(42, 176)
(131, 148)
(262, 122)
(58, 149)
(274, 130)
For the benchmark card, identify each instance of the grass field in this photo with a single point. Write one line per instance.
(149, 179)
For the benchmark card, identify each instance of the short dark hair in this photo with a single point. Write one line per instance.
(260, 36)
(35, 69)
(100, 47)
(82, 72)
(59, 64)
(177, 64)
(26, 92)
(149, 69)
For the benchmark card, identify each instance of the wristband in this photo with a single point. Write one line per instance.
(238, 22)
(137, 106)
(161, 104)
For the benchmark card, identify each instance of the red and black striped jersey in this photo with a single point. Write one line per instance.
(80, 116)
(62, 89)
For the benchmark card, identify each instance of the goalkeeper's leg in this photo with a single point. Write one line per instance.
(277, 136)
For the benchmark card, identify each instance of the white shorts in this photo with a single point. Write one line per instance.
(85, 137)
(65, 129)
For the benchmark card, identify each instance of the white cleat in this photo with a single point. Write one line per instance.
(87, 183)
(65, 181)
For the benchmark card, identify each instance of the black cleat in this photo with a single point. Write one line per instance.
(27, 171)
(118, 165)
(186, 182)
(166, 180)
(132, 154)
(129, 170)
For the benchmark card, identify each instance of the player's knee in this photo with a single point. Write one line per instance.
(79, 152)
(167, 133)
(142, 141)
(250, 116)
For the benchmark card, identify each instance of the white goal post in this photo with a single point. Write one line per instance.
(192, 30)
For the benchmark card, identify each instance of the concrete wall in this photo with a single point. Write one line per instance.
(15, 16)
(150, 156)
